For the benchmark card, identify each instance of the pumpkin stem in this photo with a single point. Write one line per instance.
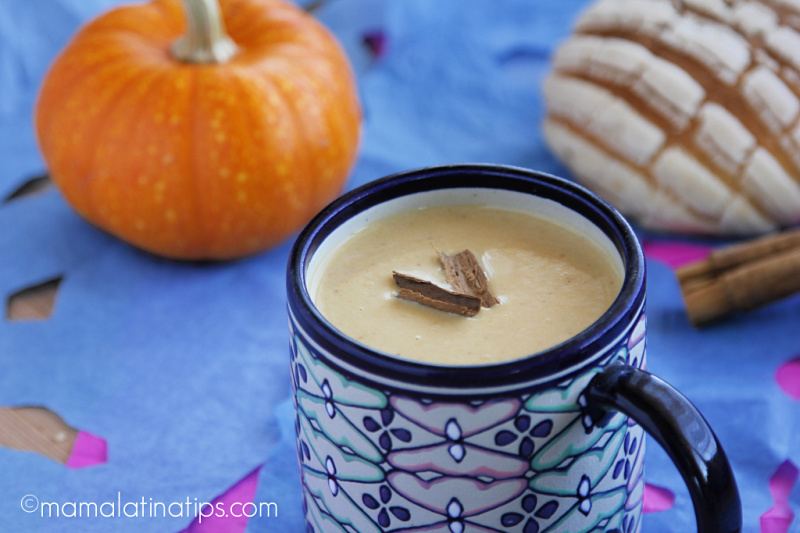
(206, 40)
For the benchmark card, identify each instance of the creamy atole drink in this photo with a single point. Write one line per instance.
(551, 283)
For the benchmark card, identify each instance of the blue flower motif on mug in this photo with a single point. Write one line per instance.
(382, 425)
(376, 461)
(454, 424)
(623, 466)
(455, 439)
(528, 506)
(431, 474)
(628, 525)
(454, 512)
(330, 467)
(586, 419)
(385, 511)
(298, 370)
(584, 495)
(528, 434)
(330, 407)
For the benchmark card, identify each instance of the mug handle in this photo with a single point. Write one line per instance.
(681, 431)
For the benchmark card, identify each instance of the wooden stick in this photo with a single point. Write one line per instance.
(741, 277)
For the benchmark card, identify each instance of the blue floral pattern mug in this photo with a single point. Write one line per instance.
(550, 442)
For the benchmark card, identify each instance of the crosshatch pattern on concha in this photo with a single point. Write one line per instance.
(683, 114)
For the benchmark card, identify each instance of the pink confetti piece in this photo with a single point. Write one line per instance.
(779, 518)
(675, 254)
(788, 378)
(220, 515)
(88, 450)
(657, 499)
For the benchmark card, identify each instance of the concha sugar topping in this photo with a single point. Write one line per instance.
(684, 114)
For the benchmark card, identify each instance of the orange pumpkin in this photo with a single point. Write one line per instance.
(205, 146)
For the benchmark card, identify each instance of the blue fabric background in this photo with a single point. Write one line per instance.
(183, 368)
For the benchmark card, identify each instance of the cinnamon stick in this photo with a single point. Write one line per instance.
(431, 295)
(465, 275)
(741, 277)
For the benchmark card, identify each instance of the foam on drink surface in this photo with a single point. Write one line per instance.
(552, 283)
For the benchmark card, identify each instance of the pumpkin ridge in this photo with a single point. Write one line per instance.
(198, 222)
(327, 124)
(278, 22)
(102, 132)
(132, 165)
(78, 123)
(146, 21)
(293, 180)
(216, 175)
(199, 161)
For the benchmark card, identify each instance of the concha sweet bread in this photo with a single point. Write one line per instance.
(684, 114)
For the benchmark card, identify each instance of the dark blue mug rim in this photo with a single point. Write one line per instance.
(569, 355)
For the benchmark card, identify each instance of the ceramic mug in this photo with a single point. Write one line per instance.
(550, 442)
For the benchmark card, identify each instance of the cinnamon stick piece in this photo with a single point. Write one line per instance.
(431, 295)
(466, 276)
(741, 277)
